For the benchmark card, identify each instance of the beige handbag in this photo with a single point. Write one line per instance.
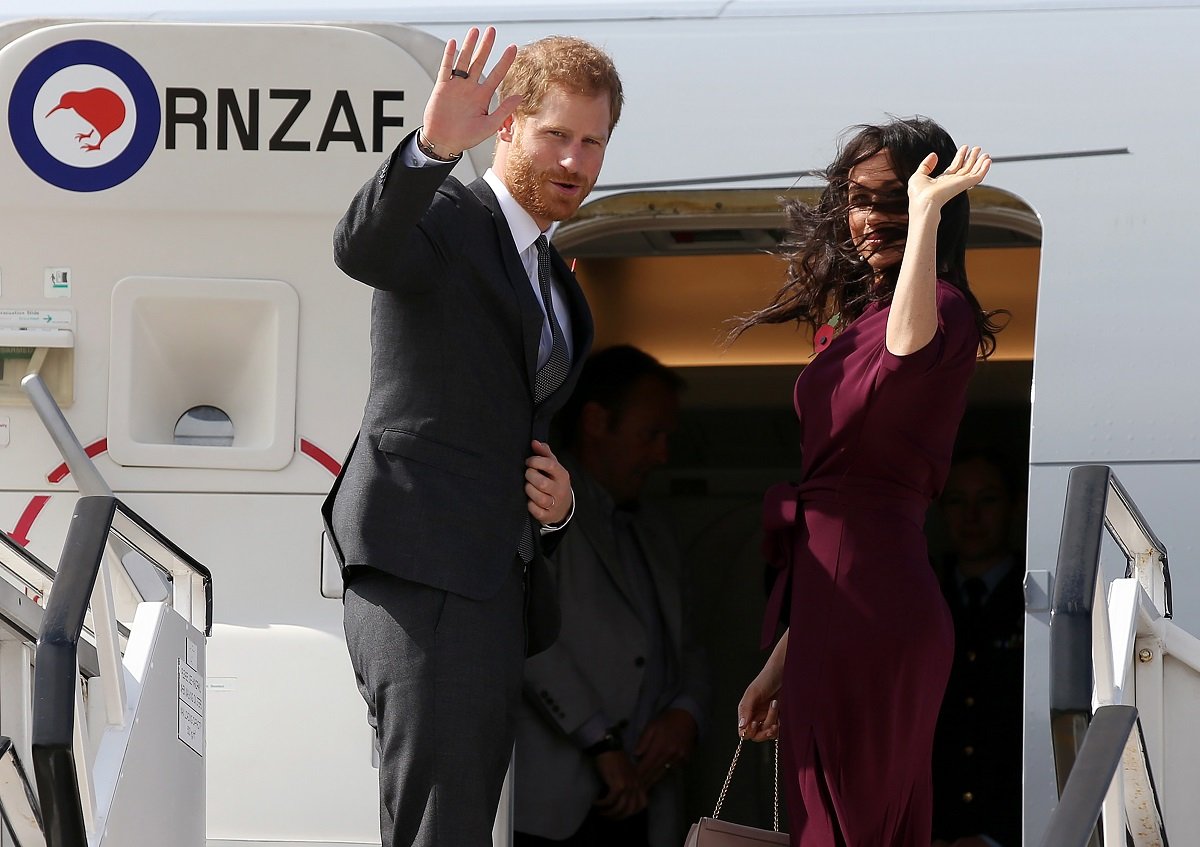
(710, 832)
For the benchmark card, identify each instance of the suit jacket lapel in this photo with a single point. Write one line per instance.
(581, 315)
(531, 312)
(581, 319)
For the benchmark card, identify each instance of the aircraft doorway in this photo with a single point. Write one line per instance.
(666, 271)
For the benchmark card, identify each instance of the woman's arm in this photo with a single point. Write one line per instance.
(758, 713)
(912, 321)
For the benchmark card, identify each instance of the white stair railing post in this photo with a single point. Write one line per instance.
(16, 712)
(1147, 567)
(1106, 693)
(1103, 666)
(80, 747)
(108, 648)
(181, 598)
(1149, 692)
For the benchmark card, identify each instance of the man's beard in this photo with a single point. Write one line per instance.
(528, 187)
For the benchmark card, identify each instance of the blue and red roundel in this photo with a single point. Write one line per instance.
(84, 115)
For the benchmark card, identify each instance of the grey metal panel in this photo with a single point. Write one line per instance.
(1116, 326)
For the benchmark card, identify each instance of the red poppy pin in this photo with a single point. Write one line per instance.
(826, 333)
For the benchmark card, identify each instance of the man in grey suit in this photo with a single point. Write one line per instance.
(614, 706)
(450, 491)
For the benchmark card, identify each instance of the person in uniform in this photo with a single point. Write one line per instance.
(978, 742)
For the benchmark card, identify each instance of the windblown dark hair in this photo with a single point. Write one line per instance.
(827, 276)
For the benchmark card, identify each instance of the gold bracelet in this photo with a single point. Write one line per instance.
(424, 145)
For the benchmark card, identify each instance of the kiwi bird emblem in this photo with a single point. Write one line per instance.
(100, 107)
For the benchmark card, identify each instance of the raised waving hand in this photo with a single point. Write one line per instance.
(457, 116)
(969, 167)
(912, 319)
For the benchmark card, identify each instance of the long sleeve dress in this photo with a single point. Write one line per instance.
(871, 640)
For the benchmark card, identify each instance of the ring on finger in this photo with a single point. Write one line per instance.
(460, 73)
(553, 501)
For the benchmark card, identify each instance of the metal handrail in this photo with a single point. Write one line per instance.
(56, 675)
(21, 612)
(87, 478)
(1071, 614)
(192, 581)
(1095, 501)
(1074, 819)
(1135, 537)
(101, 526)
(32, 578)
(64, 788)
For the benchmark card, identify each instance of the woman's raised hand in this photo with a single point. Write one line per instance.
(457, 116)
(926, 192)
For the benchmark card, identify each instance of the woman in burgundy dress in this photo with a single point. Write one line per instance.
(877, 270)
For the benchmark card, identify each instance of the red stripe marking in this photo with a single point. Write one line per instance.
(20, 533)
(320, 456)
(93, 450)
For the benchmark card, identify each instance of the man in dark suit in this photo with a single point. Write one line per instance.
(977, 747)
(450, 491)
(613, 708)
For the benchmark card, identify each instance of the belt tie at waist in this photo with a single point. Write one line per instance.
(781, 508)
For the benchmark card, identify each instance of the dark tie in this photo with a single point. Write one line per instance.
(975, 589)
(549, 376)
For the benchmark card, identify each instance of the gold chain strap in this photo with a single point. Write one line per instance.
(777, 785)
(729, 776)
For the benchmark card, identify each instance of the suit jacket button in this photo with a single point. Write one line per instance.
(640, 661)
(968, 796)
(968, 750)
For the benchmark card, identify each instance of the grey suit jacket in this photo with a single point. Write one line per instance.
(596, 664)
(433, 487)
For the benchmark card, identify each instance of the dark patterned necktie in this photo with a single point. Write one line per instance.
(549, 376)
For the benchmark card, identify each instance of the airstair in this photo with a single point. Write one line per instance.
(1125, 682)
(102, 668)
